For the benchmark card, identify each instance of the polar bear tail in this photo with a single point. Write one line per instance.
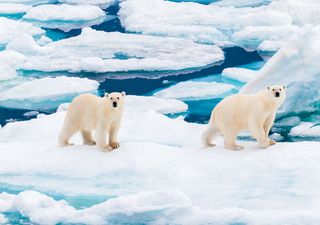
(211, 132)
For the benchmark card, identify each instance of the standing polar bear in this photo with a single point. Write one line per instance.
(89, 112)
(240, 112)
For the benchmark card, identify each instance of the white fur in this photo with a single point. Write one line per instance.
(241, 112)
(89, 112)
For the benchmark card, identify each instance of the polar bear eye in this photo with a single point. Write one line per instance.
(272, 89)
(111, 98)
(280, 89)
(118, 98)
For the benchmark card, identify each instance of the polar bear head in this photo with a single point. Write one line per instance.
(115, 99)
(277, 93)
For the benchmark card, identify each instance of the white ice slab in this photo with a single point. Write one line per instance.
(12, 8)
(239, 74)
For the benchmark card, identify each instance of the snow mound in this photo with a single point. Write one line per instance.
(239, 74)
(11, 8)
(10, 29)
(99, 51)
(9, 60)
(65, 17)
(195, 90)
(28, 2)
(295, 65)
(27, 94)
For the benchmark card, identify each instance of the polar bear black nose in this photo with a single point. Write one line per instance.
(277, 94)
(114, 104)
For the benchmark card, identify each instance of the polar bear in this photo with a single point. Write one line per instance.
(88, 112)
(241, 112)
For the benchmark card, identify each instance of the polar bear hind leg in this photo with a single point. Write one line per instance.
(211, 132)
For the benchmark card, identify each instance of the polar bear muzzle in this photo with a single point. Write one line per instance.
(114, 104)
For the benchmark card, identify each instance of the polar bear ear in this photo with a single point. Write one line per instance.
(106, 95)
(268, 87)
(123, 93)
(284, 87)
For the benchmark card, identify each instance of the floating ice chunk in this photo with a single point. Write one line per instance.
(201, 23)
(11, 29)
(195, 90)
(242, 3)
(49, 90)
(11, 8)
(239, 74)
(44, 40)
(9, 60)
(6, 202)
(3, 219)
(97, 51)
(65, 17)
(296, 65)
(101, 3)
(306, 130)
(28, 2)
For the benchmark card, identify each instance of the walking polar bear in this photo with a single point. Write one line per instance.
(240, 112)
(87, 113)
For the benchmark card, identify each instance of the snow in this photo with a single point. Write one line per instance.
(28, 2)
(27, 94)
(63, 16)
(159, 174)
(295, 65)
(96, 51)
(3, 219)
(11, 8)
(306, 129)
(195, 90)
(275, 22)
(101, 3)
(8, 62)
(10, 29)
(239, 74)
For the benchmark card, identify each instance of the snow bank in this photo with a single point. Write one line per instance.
(27, 94)
(295, 65)
(99, 51)
(28, 2)
(215, 23)
(65, 17)
(306, 130)
(239, 74)
(10, 29)
(11, 8)
(9, 60)
(101, 3)
(195, 90)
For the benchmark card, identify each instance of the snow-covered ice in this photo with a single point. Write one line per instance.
(11, 8)
(239, 74)
(195, 90)
(159, 174)
(101, 3)
(10, 29)
(99, 51)
(306, 129)
(8, 62)
(242, 3)
(215, 23)
(65, 17)
(52, 91)
(28, 2)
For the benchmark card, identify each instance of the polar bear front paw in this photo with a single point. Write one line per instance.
(272, 142)
(264, 144)
(114, 145)
(234, 147)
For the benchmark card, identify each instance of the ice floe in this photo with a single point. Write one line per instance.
(306, 129)
(242, 3)
(29, 2)
(99, 51)
(101, 3)
(295, 65)
(239, 74)
(160, 173)
(195, 90)
(48, 91)
(215, 23)
(65, 17)
(11, 8)
(8, 62)
(11, 29)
